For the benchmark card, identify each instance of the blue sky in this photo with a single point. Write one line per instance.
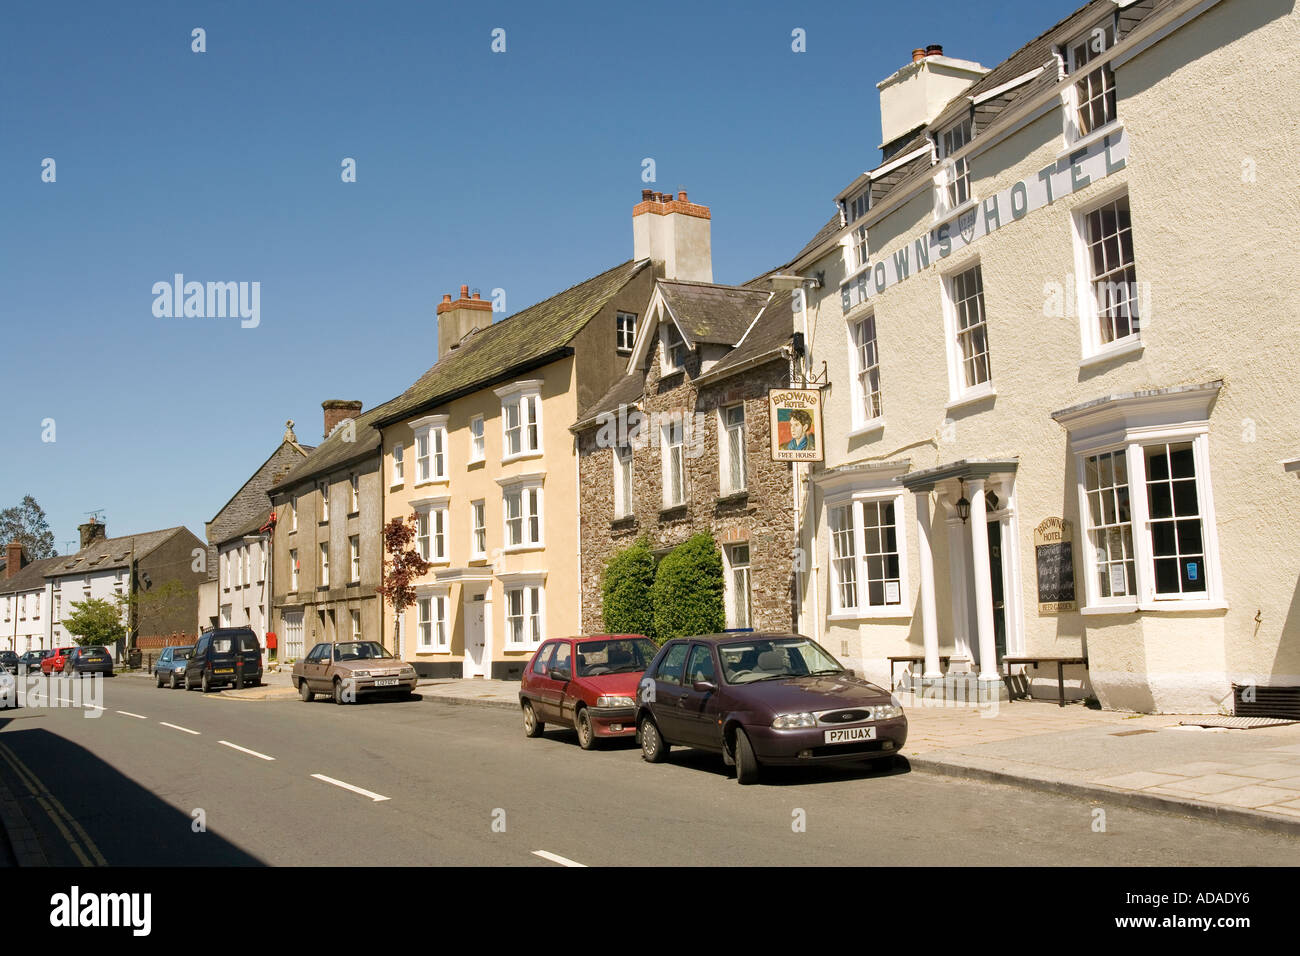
(513, 170)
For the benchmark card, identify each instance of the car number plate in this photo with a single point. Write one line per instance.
(850, 734)
(223, 670)
(386, 682)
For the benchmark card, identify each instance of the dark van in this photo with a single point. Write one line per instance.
(225, 656)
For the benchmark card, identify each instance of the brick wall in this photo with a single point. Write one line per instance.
(763, 517)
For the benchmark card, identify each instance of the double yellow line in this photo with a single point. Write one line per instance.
(77, 838)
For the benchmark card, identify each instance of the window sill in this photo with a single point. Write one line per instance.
(430, 650)
(1174, 607)
(323, 522)
(894, 611)
(519, 548)
(475, 461)
(971, 396)
(354, 584)
(521, 456)
(673, 512)
(868, 428)
(354, 514)
(948, 215)
(1083, 142)
(430, 481)
(622, 522)
(1128, 346)
(734, 498)
(397, 484)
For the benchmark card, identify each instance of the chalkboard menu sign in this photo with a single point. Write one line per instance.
(1054, 557)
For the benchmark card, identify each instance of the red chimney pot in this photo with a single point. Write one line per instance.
(918, 54)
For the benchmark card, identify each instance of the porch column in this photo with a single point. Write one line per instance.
(979, 533)
(929, 617)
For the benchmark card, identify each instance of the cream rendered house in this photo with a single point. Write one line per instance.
(1061, 322)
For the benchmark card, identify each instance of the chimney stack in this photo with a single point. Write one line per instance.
(674, 234)
(338, 410)
(91, 531)
(13, 558)
(918, 92)
(457, 319)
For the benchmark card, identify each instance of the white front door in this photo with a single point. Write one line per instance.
(476, 664)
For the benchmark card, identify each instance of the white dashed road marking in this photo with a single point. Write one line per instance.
(127, 713)
(347, 786)
(556, 858)
(245, 750)
(175, 727)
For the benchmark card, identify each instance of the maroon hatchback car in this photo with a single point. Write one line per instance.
(587, 683)
(758, 699)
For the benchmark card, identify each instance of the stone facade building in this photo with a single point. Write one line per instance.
(680, 445)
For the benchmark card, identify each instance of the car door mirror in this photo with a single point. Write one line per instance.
(557, 674)
(704, 686)
(851, 672)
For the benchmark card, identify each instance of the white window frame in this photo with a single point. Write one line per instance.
(433, 623)
(324, 500)
(526, 398)
(432, 466)
(725, 451)
(863, 418)
(624, 466)
(730, 569)
(959, 393)
(620, 320)
(533, 608)
(354, 558)
(399, 466)
(1092, 349)
(324, 564)
(293, 513)
(356, 624)
(855, 501)
(953, 167)
(478, 528)
(294, 569)
(354, 490)
(668, 363)
(477, 439)
(1101, 61)
(675, 426)
(532, 513)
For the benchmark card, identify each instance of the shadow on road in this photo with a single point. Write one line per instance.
(80, 795)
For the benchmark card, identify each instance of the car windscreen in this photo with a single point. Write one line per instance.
(749, 661)
(360, 651)
(181, 653)
(623, 656)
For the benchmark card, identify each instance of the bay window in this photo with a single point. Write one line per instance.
(521, 419)
(866, 552)
(430, 448)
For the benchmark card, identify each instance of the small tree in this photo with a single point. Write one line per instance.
(95, 621)
(688, 587)
(153, 611)
(402, 565)
(625, 591)
(26, 522)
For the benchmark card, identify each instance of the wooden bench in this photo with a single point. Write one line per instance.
(943, 662)
(1060, 662)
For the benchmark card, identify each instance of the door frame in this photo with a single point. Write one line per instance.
(483, 666)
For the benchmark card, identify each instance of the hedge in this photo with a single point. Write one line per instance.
(688, 590)
(625, 591)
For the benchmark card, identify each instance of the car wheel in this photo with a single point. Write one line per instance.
(205, 685)
(586, 733)
(188, 685)
(746, 762)
(159, 676)
(174, 685)
(305, 692)
(338, 691)
(532, 726)
(654, 749)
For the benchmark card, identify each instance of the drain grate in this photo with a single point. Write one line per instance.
(1237, 723)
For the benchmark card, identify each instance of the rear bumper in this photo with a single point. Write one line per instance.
(808, 746)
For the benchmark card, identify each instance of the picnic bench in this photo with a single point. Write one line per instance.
(913, 659)
(1060, 663)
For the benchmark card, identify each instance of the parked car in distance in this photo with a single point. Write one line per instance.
(760, 699)
(8, 690)
(587, 683)
(31, 660)
(92, 659)
(348, 669)
(169, 669)
(224, 656)
(56, 661)
(9, 662)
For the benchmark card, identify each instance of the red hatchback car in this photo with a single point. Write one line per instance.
(587, 683)
(58, 661)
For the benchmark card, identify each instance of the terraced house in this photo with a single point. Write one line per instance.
(1045, 436)
(480, 452)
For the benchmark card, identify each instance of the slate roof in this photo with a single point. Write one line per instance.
(31, 577)
(628, 390)
(107, 554)
(249, 527)
(772, 330)
(335, 451)
(526, 337)
(708, 312)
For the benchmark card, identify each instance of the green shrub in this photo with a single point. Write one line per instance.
(625, 591)
(688, 589)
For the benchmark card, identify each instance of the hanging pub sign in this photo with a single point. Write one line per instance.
(1054, 556)
(795, 415)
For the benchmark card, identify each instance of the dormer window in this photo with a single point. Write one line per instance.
(1092, 96)
(857, 207)
(952, 183)
(675, 348)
